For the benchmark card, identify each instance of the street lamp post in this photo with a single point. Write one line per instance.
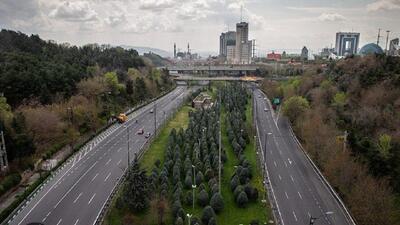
(219, 158)
(194, 182)
(313, 219)
(127, 131)
(189, 216)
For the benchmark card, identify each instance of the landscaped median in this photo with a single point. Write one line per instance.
(181, 166)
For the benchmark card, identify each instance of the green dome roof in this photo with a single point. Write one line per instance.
(371, 48)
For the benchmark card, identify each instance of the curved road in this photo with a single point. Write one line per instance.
(78, 192)
(297, 189)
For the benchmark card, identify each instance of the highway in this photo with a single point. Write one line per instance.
(78, 192)
(297, 189)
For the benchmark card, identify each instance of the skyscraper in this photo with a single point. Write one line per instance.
(225, 40)
(347, 43)
(243, 45)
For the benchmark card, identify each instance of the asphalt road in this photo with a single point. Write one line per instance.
(297, 188)
(78, 192)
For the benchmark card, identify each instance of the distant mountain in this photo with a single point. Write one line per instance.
(142, 50)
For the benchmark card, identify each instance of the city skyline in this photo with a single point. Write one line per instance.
(287, 25)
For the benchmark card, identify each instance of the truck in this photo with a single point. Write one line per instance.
(121, 118)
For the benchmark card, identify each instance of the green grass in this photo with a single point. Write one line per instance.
(232, 214)
(155, 151)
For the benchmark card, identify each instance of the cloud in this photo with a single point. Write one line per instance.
(74, 11)
(150, 23)
(383, 5)
(115, 20)
(156, 5)
(331, 17)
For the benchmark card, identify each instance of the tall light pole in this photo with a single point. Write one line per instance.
(219, 158)
(127, 131)
(313, 219)
(189, 216)
(155, 118)
(194, 183)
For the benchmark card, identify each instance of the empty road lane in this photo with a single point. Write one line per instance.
(299, 192)
(78, 192)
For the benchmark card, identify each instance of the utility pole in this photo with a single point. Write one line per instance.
(379, 36)
(3, 153)
(155, 118)
(387, 41)
(219, 146)
(127, 131)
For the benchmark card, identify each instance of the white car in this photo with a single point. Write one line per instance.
(151, 110)
(265, 98)
(266, 110)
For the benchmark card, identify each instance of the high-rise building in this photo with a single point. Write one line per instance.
(243, 51)
(226, 39)
(304, 53)
(394, 48)
(347, 43)
(174, 50)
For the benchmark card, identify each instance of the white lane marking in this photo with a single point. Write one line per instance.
(119, 162)
(46, 216)
(286, 195)
(290, 162)
(309, 214)
(291, 178)
(295, 217)
(285, 163)
(74, 185)
(275, 163)
(44, 196)
(76, 222)
(300, 195)
(119, 150)
(91, 198)
(280, 178)
(78, 197)
(59, 221)
(270, 151)
(107, 177)
(108, 161)
(95, 176)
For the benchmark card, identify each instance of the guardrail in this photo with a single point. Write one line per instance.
(349, 218)
(61, 164)
(106, 206)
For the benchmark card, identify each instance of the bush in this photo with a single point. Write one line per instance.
(217, 202)
(208, 213)
(188, 182)
(9, 182)
(199, 178)
(179, 221)
(238, 190)
(212, 221)
(242, 199)
(176, 207)
(202, 198)
(189, 198)
(254, 222)
(251, 192)
(234, 182)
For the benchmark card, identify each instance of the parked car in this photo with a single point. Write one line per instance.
(148, 134)
(266, 110)
(140, 131)
(151, 110)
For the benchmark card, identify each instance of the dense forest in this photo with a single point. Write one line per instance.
(355, 99)
(55, 95)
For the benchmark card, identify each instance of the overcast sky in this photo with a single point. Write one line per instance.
(275, 24)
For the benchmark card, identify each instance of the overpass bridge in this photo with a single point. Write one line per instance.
(218, 70)
(217, 78)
